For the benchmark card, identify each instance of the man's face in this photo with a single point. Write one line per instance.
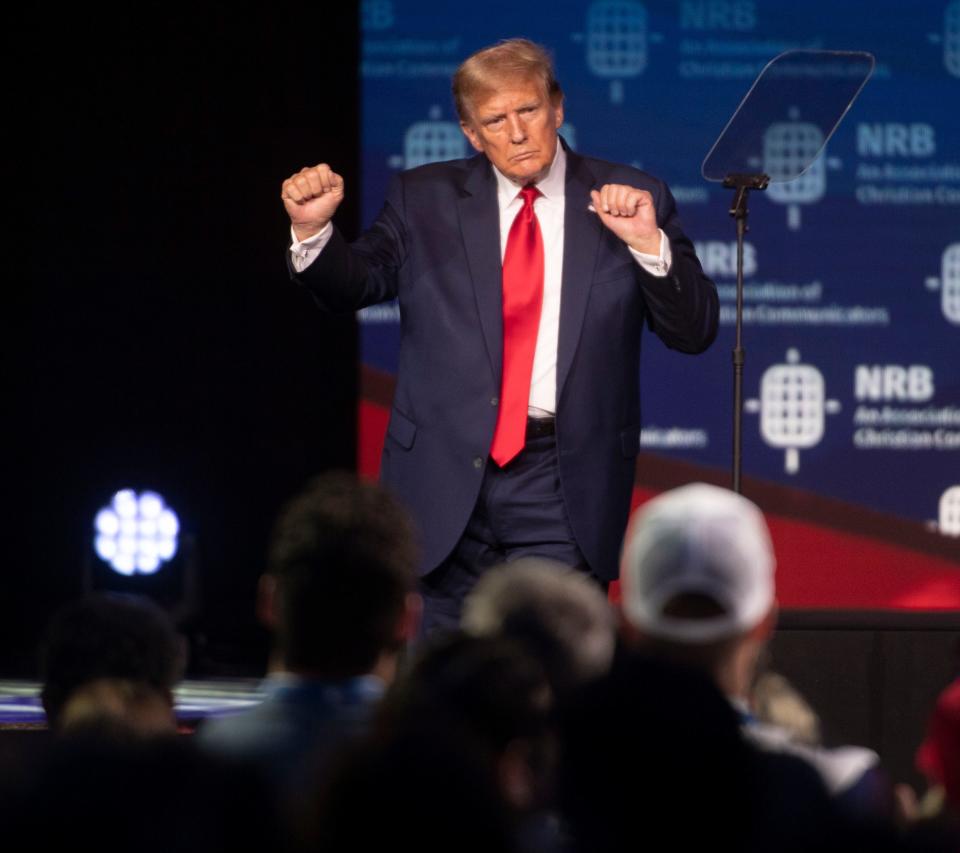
(517, 129)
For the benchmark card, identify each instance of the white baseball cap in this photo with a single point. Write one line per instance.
(697, 539)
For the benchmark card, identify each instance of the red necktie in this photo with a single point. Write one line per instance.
(522, 300)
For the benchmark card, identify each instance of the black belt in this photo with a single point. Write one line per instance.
(540, 427)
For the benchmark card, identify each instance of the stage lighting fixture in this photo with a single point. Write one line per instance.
(136, 534)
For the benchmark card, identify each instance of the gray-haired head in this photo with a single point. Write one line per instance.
(556, 612)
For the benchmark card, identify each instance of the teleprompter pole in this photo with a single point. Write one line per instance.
(741, 184)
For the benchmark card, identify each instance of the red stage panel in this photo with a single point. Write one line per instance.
(829, 554)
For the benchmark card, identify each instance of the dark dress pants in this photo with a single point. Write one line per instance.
(519, 513)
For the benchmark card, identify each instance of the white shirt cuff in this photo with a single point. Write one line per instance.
(658, 265)
(305, 252)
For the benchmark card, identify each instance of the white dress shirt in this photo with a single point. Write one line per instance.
(549, 208)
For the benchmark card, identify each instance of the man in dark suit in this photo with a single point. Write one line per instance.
(524, 277)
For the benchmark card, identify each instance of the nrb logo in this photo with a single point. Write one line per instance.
(947, 522)
(376, 15)
(616, 42)
(949, 283)
(950, 38)
(792, 408)
(950, 512)
(789, 147)
(430, 142)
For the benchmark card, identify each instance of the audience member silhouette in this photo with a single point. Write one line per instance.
(495, 697)
(935, 815)
(152, 795)
(423, 783)
(557, 614)
(108, 665)
(698, 585)
(653, 755)
(338, 595)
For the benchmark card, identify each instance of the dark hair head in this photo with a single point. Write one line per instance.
(343, 554)
(422, 781)
(676, 738)
(490, 687)
(438, 748)
(107, 637)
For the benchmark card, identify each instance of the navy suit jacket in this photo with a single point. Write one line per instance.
(436, 247)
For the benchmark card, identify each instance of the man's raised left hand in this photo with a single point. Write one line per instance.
(629, 213)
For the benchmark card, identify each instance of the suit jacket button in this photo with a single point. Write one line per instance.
(478, 462)
(494, 401)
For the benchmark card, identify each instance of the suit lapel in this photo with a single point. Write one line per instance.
(581, 239)
(480, 229)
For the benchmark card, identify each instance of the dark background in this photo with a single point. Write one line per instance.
(162, 344)
(157, 341)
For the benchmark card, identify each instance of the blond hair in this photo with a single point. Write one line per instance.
(483, 72)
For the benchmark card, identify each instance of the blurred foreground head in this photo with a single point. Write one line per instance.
(697, 582)
(697, 565)
(109, 663)
(457, 754)
(558, 614)
(939, 754)
(492, 696)
(419, 782)
(150, 795)
(340, 577)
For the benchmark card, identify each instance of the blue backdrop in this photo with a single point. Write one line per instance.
(852, 319)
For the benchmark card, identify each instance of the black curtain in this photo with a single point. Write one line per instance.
(162, 343)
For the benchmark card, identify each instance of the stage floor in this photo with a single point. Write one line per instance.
(194, 701)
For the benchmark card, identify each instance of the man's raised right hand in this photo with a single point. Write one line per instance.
(311, 197)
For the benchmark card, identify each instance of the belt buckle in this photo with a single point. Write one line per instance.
(540, 427)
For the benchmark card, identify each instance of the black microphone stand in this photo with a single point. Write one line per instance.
(741, 184)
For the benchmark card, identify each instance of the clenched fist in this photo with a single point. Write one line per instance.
(629, 213)
(311, 197)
